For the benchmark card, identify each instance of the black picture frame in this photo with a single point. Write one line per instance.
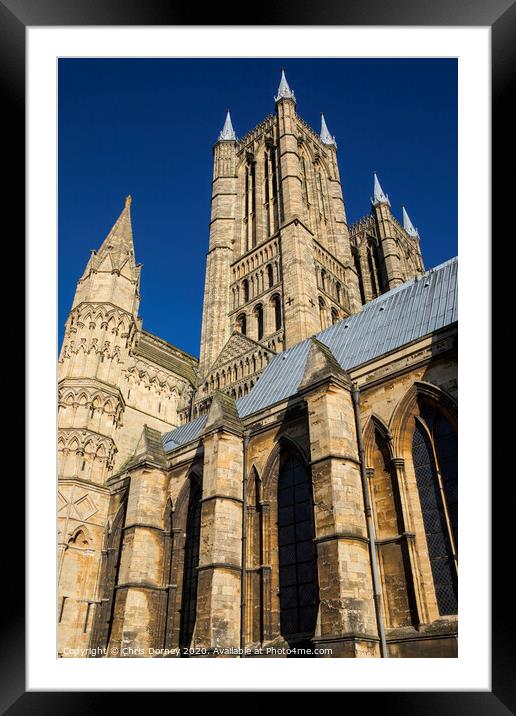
(500, 15)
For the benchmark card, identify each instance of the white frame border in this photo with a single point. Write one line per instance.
(471, 670)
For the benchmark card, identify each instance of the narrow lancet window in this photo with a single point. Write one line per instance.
(434, 454)
(297, 560)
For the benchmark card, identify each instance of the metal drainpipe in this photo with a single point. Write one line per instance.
(384, 652)
(243, 583)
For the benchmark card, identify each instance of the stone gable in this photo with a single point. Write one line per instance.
(236, 347)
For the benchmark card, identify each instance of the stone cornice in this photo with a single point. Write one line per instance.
(220, 565)
(347, 636)
(396, 538)
(95, 384)
(346, 536)
(91, 486)
(143, 525)
(268, 121)
(141, 585)
(94, 304)
(326, 382)
(255, 250)
(387, 362)
(438, 629)
(140, 463)
(222, 497)
(220, 429)
(336, 456)
(196, 444)
(86, 431)
(330, 256)
(118, 482)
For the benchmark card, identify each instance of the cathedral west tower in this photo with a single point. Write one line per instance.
(114, 378)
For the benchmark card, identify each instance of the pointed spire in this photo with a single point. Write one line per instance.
(117, 248)
(407, 224)
(116, 257)
(325, 136)
(378, 196)
(284, 91)
(120, 238)
(228, 133)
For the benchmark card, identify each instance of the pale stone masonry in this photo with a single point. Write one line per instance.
(282, 262)
(297, 486)
(346, 589)
(113, 378)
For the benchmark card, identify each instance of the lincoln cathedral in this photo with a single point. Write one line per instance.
(292, 491)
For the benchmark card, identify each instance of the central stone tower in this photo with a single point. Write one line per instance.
(279, 266)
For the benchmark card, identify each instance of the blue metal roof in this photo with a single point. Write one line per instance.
(184, 433)
(404, 314)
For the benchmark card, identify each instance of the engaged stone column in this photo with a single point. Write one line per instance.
(300, 306)
(347, 617)
(391, 253)
(218, 588)
(288, 159)
(139, 588)
(215, 319)
(409, 537)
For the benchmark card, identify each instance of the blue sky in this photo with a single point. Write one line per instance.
(146, 127)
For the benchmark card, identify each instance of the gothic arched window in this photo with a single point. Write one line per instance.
(270, 276)
(358, 268)
(250, 203)
(245, 290)
(393, 551)
(242, 324)
(372, 271)
(275, 197)
(255, 558)
(191, 561)
(276, 303)
(259, 321)
(304, 187)
(334, 315)
(434, 454)
(266, 193)
(378, 266)
(320, 195)
(375, 271)
(322, 312)
(299, 594)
